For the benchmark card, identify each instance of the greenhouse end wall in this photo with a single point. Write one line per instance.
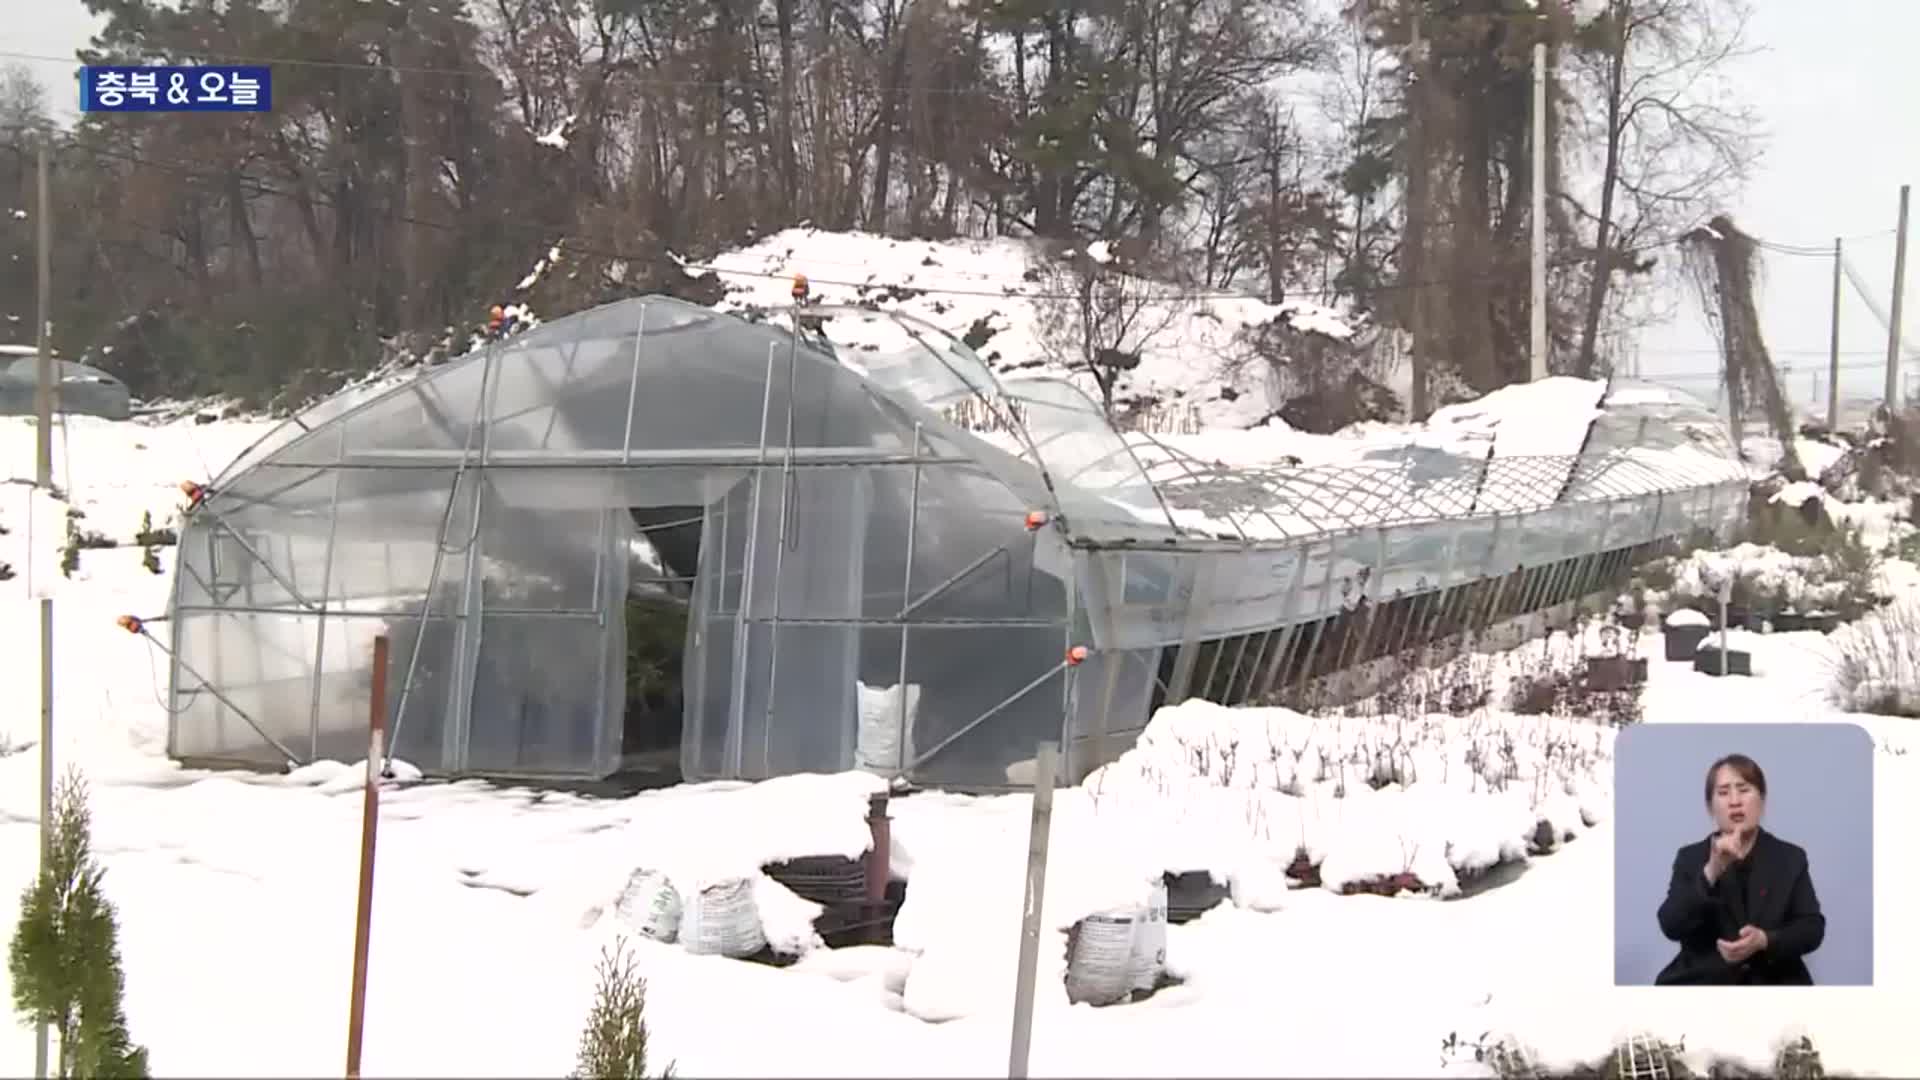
(481, 517)
(865, 583)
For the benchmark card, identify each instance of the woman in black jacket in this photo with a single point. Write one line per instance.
(1741, 903)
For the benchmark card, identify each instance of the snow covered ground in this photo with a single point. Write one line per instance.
(236, 891)
(1191, 357)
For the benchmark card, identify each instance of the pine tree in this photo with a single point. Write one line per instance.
(65, 958)
(614, 1044)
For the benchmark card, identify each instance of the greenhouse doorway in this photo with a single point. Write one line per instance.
(662, 561)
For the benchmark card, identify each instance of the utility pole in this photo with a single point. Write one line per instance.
(1415, 264)
(1833, 347)
(43, 479)
(43, 363)
(1899, 293)
(1538, 357)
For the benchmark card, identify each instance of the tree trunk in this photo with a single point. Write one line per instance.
(895, 38)
(243, 228)
(1609, 181)
(413, 123)
(785, 130)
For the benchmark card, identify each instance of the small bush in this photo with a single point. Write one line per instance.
(1876, 662)
(1639, 1057)
(65, 956)
(86, 538)
(149, 537)
(1840, 577)
(614, 1044)
(1552, 680)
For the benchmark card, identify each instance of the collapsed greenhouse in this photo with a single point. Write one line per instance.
(654, 528)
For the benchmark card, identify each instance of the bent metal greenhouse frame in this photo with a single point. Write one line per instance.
(848, 544)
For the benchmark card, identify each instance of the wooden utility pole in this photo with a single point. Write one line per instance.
(43, 479)
(1537, 360)
(1833, 347)
(1899, 294)
(1415, 264)
(43, 364)
(369, 832)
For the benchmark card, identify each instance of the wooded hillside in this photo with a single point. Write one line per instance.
(423, 154)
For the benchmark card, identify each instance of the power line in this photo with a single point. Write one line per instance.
(1716, 373)
(1810, 251)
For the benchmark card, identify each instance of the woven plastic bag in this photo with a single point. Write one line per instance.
(651, 905)
(722, 920)
(883, 742)
(1149, 959)
(1100, 958)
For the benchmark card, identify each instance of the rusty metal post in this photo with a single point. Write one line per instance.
(879, 865)
(369, 828)
(1040, 829)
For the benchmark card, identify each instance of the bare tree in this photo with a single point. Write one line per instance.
(1672, 142)
(1358, 100)
(23, 101)
(1098, 318)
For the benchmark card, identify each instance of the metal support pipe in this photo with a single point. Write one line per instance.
(929, 754)
(1436, 612)
(953, 579)
(326, 592)
(1068, 678)
(1219, 651)
(787, 509)
(1289, 617)
(1419, 602)
(737, 708)
(906, 590)
(489, 384)
(633, 387)
(292, 759)
(1181, 685)
(1253, 669)
(266, 564)
(1102, 732)
(1239, 657)
(1305, 671)
(1492, 606)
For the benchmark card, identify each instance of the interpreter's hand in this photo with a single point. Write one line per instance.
(1725, 852)
(1751, 941)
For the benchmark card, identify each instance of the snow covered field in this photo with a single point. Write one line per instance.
(236, 891)
(1192, 359)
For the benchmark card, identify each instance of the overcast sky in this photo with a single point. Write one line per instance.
(1836, 86)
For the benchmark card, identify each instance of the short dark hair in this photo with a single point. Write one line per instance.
(1743, 767)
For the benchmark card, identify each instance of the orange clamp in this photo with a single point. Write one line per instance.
(800, 288)
(1077, 655)
(194, 492)
(130, 623)
(1036, 520)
